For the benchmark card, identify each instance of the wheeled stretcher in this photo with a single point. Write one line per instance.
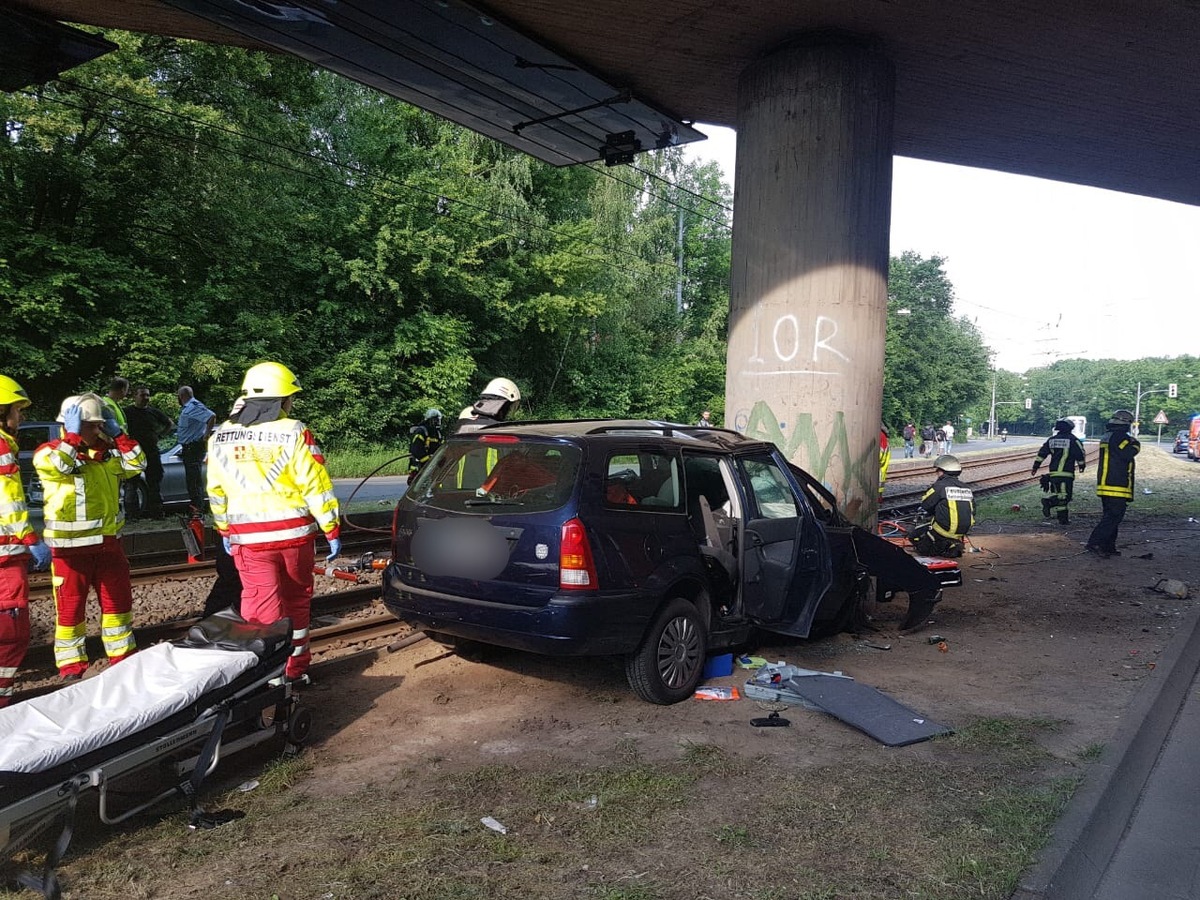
(174, 708)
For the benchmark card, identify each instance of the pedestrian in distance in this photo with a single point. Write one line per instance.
(1003, 435)
(950, 505)
(910, 440)
(81, 473)
(147, 425)
(928, 436)
(497, 402)
(1114, 482)
(20, 547)
(423, 440)
(948, 435)
(1066, 456)
(270, 495)
(196, 423)
(705, 419)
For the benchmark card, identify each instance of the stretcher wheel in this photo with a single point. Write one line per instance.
(299, 725)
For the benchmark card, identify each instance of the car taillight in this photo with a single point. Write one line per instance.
(576, 571)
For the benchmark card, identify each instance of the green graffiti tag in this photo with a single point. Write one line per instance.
(803, 446)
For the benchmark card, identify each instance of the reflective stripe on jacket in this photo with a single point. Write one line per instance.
(16, 534)
(1114, 471)
(1066, 455)
(952, 506)
(83, 496)
(268, 485)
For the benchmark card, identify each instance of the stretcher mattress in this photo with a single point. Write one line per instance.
(153, 684)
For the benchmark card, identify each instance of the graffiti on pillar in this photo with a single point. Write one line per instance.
(826, 456)
(793, 349)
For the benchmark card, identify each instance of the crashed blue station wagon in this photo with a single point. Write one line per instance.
(657, 542)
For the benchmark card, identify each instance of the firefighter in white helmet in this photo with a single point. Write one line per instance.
(495, 404)
(20, 546)
(270, 495)
(81, 473)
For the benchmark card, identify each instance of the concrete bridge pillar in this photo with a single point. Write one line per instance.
(808, 298)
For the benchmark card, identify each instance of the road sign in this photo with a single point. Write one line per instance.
(1161, 418)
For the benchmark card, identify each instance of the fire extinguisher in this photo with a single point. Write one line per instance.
(192, 530)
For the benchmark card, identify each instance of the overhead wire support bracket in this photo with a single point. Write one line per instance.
(625, 96)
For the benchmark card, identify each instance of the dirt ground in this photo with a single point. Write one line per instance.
(1040, 631)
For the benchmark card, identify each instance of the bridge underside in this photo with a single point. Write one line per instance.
(1102, 94)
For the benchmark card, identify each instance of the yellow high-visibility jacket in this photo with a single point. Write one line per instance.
(1114, 473)
(16, 534)
(83, 494)
(268, 485)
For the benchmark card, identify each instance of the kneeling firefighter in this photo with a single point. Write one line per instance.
(951, 508)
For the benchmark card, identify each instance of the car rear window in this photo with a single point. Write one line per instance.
(498, 473)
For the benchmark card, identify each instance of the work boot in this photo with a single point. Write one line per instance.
(1063, 517)
(1047, 505)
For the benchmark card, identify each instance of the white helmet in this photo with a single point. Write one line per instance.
(433, 413)
(90, 408)
(503, 388)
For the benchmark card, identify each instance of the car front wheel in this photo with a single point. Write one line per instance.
(667, 666)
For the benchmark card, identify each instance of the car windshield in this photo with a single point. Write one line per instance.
(497, 473)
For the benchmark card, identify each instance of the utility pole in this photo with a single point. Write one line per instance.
(992, 413)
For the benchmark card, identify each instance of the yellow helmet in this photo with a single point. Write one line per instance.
(270, 379)
(91, 407)
(11, 392)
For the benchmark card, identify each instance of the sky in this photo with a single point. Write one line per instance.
(1046, 270)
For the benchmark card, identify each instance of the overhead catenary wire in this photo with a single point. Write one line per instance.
(664, 268)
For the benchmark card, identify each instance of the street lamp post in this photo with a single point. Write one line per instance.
(1137, 405)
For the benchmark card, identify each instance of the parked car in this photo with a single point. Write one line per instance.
(174, 485)
(1181, 442)
(653, 541)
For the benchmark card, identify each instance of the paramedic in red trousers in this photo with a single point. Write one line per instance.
(20, 547)
(270, 495)
(1114, 482)
(82, 473)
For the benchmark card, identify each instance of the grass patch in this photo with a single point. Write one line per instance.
(708, 823)
(1012, 739)
(352, 463)
(1092, 752)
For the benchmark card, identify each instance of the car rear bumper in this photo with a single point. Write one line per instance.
(570, 623)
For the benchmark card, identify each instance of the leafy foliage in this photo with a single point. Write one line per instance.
(176, 212)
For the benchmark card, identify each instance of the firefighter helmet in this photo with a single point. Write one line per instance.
(91, 407)
(948, 464)
(11, 392)
(433, 413)
(1121, 417)
(1064, 425)
(270, 379)
(503, 388)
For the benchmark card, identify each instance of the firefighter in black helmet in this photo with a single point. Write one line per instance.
(1066, 455)
(951, 507)
(1114, 482)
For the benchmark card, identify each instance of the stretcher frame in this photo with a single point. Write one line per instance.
(256, 706)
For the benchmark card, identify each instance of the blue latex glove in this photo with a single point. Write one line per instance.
(111, 426)
(335, 548)
(227, 545)
(72, 419)
(41, 556)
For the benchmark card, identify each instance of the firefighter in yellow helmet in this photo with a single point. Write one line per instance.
(950, 504)
(20, 546)
(270, 494)
(1114, 482)
(82, 473)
